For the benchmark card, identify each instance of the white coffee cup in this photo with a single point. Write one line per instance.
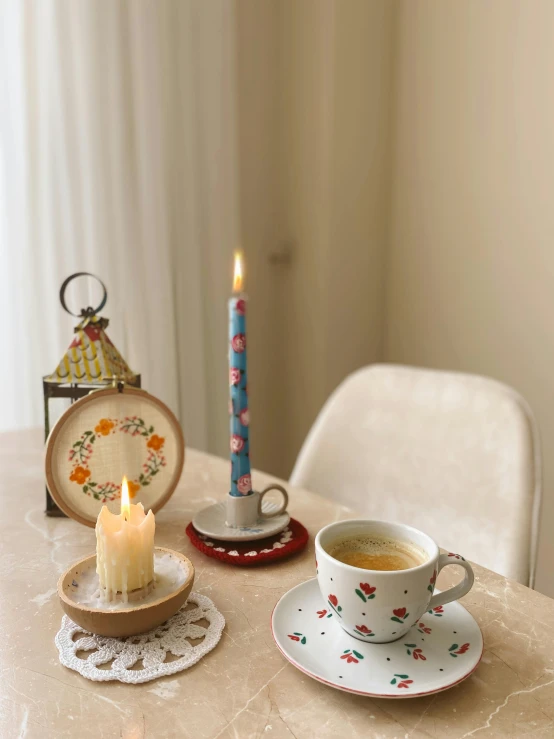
(382, 605)
(246, 510)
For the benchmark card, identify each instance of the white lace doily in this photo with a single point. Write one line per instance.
(163, 651)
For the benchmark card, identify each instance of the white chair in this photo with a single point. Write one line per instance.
(452, 454)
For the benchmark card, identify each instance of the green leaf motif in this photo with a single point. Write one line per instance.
(370, 597)
(297, 633)
(85, 488)
(303, 640)
(394, 618)
(339, 608)
(357, 654)
(430, 588)
(346, 651)
(362, 596)
(453, 655)
(410, 645)
(454, 646)
(402, 677)
(151, 429)
(393, 681)
(92, 438)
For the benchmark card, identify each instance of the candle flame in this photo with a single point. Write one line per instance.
(238, 278)
(125, 504)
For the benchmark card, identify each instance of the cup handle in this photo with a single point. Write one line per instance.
(280, 510)
(447, 596)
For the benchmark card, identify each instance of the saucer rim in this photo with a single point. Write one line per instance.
(388, 696)
(253, 537)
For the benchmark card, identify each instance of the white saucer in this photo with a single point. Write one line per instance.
(211, 522)
(439, 652)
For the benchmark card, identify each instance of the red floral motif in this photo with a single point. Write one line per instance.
(400, 615)
(424, 629)
(333, 600)
(244, 484)
(455, 650)
(432, 581)
(351, 656)
(237, 443)
(401, 681)
(364, 631)
(297, 636)
(436, 611)
(244, 416)
(238, 342)
(234, 376)
(368, 592)
(240, 307)
(322, 613)
(456, 556)
(415, 651)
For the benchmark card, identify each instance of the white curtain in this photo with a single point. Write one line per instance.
(118, 157)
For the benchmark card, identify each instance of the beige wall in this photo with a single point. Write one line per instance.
(314, 84)
(471, 270)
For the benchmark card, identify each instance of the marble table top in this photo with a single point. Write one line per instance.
(244, 688)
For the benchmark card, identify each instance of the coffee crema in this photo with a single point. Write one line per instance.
(370, 552)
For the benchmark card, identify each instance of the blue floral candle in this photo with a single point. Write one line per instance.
(241, 481)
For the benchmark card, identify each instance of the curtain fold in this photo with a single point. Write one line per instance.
(118, 157)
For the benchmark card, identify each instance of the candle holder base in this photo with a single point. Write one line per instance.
(212, 521)
(79, 594)
(133, 596)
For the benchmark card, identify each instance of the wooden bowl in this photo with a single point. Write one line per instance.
(124, 621)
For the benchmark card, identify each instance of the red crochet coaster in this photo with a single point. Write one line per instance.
(247, 553)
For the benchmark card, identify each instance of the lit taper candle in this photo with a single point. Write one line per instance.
(241, 481)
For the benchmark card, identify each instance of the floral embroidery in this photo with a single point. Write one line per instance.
(237, 443)
(244, 484)
(238, 342)
(297, 636)
(436, 611)
(234, 376)
(79, 475)
(432, 581)
(424, 629)
(368, 592)
(402, 681)
(82, 450)
(351, 655)
(415, 651)
(240, 307)
(104, 426)
(321, 614)
(155, 442)
(244, 416)
(334, 603)
(364, 631)
(457, 556)
(400, 615)
(455, 650)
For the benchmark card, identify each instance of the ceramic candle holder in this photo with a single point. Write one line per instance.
(136, 617)
(247, 510)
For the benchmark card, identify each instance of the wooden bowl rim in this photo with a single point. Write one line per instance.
(125, 611)
(59, 499)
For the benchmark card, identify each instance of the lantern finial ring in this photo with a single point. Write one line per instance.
(85, 312)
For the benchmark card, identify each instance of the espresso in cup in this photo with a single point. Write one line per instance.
(372, 552)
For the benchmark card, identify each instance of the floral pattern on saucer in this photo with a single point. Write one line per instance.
(428, 659)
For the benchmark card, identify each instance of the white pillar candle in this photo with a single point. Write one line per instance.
(124, 548)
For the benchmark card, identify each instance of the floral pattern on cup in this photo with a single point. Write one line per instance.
(365, 592)
(297, 636)
(401, 681)
(323, 613)
(415, 651)
(400, 615)
(455, 649)
(334, 603)
(351, 655)
(364, 631)
(432, 582)
(456, 556)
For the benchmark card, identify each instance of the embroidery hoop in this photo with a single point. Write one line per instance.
(68, 494)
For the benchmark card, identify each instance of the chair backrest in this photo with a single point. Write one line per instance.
(455, 455)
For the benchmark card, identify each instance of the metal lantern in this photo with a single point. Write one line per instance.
(91, 362)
